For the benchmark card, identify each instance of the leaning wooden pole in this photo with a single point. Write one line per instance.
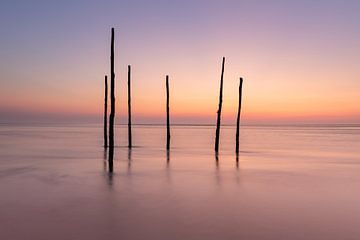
(112, 109)
(218, 122)
(129, 108)
(105, 113)
(167, 115)
(238, 117)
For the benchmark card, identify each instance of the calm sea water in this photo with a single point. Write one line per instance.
(300, 182)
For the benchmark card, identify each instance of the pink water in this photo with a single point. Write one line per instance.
(299, 182)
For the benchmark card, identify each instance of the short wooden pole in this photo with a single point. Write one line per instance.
(105, 114)
(167, 115)
(238, 117)
(129, 108)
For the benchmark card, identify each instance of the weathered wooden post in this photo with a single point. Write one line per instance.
(129, 108)
(167, 115)
(219, 109)
(238, 117)
(112, 109)
(105, 114)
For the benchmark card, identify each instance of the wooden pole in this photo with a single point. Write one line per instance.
(167, 115)
(112, 92)
(219, 109)
(112, 109)
(238, 117)
(105, 113)
(129, 108)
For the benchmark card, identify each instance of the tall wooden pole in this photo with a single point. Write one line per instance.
(112, 92)
(219, 109)
(129, 108)
(167, 115)
(112, 110)
(238, 117)
(105, 113)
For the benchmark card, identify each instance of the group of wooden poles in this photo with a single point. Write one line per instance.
(109, 138)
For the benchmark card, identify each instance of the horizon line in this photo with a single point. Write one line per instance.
(189, 124)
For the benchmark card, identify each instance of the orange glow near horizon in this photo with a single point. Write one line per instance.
(255, 108)
(262, 100)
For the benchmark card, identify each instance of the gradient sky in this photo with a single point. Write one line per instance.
(299, 59)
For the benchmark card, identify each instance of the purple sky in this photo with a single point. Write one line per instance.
(299, 59)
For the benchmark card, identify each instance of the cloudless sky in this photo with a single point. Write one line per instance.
(299, 59)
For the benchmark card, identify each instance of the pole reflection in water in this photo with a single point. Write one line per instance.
(217, 160)
(217, 169)
(110, 165)
(237, 173)
(105, 160)
(167, 158)
(168, 169)
(108, 172)
(111, 159)
(237, 161)
(129, 157)
(110, 179)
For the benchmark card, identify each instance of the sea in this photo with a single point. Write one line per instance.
(288, 182)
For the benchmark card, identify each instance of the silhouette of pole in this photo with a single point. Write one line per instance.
(219, 109)
(238, 118)
(112, 109)
(105, 113)
(167, 115)
(129, 108)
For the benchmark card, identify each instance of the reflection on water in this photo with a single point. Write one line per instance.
(129, 161)
(237, 160)
(168, 157)
(107, 171)
(217, 160)
(57, 182)
(217, 169)
(105, 160)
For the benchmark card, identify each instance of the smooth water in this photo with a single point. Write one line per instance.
(299, 182)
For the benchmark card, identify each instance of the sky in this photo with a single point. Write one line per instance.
(299, 60)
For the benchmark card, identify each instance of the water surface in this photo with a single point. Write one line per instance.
(290, 182)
